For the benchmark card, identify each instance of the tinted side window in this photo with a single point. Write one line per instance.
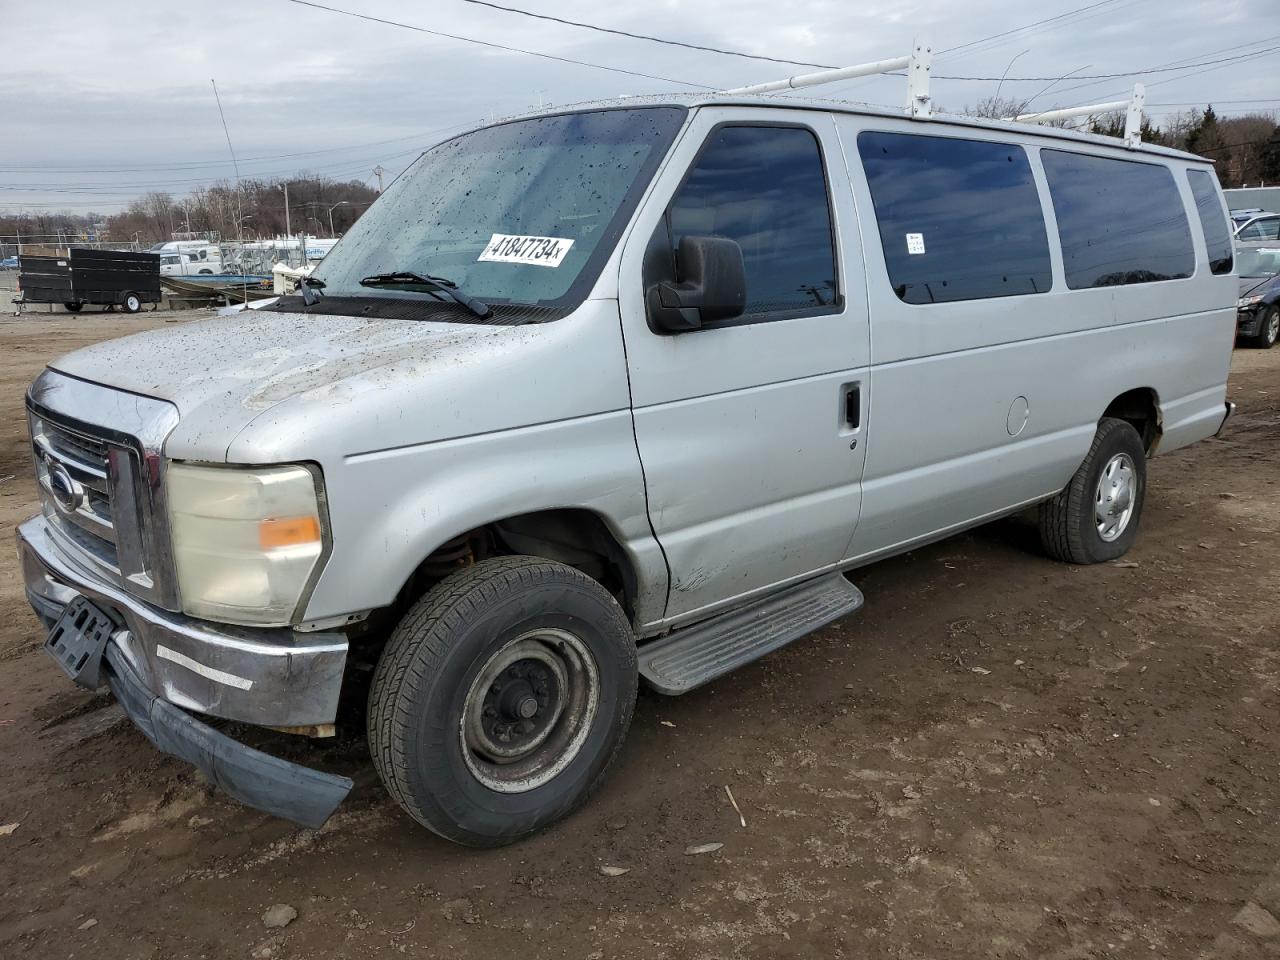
(765, 188)
(1120, 221)
(1266, 229)
(1217, 238)
(959, 219)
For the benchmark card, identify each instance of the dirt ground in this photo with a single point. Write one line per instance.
(999, 756)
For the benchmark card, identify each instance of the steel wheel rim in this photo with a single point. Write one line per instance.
(1115, 498)
(133, 303)
(551, 668)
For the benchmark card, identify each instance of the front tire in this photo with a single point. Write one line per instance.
(502, 699)
(1268, 328)
(1095, 518)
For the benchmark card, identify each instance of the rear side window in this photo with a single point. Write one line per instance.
(959, 219)
(1213, 223)
(1267, 228)
(1120, 221)
(765, 188)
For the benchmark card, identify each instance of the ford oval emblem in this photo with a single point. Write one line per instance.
(67, 493)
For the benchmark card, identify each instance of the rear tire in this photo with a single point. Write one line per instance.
(132, 303)
(502, 699)
(1095, 518)
(1268, 329)
(73, 307)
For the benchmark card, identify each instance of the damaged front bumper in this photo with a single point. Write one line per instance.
(161, 665)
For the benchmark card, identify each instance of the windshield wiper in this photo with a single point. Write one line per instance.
(445, 286)
(306, 286)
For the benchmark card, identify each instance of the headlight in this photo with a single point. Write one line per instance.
(245, 542)
(1248, 301)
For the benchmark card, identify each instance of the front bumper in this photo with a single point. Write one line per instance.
(160, 662)
(1248, 321)
(268, 677)
(259, 780)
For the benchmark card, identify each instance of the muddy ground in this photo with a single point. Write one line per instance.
(999, 756)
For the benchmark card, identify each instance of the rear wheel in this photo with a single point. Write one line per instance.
(132, 303)
(1268, 328)
(73, 307)
(1095, 518)
(502, 698)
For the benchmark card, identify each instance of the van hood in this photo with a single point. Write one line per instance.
(224, 372)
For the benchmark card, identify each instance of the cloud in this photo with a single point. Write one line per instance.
(125, 102)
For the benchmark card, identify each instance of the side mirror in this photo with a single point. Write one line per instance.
(714, 286)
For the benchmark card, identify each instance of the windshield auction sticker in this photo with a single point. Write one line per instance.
(537, 251)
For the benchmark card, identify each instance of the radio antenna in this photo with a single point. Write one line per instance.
(235, 165)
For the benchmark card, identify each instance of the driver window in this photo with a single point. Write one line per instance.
(765, 189)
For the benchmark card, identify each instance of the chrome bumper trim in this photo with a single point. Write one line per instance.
(270, 677)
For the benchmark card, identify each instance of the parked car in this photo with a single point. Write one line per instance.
(9, 263)
(1258, 309)
(610, 393)
(1265, 226)
(1243, 215)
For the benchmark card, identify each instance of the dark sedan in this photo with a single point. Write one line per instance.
(1258, 309)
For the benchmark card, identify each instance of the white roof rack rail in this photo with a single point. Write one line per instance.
(917, 65)
(1132, 122)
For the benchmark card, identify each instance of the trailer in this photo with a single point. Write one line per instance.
(78, 276)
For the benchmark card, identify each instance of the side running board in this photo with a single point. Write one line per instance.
(695, 655)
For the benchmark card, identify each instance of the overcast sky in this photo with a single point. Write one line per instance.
(106, 101)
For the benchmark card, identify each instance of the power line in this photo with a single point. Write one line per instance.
(182, 165)
(495, 46)
(1110, 76)
(643, 36)
(1182, 64)
(1028, 26)
(1196, 103)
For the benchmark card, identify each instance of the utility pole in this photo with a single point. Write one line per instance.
(377, 172)
(288, 232)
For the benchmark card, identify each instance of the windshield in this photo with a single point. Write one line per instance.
(524, 212)
(1258, 261)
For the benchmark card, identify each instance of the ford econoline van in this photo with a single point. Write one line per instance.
(617, 393)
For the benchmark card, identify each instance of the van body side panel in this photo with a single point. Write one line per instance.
(963, 464)
(752, 471)
(981, 405)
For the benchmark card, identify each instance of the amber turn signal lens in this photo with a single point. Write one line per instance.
(288, 532)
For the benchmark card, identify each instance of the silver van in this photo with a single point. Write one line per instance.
(618, 392)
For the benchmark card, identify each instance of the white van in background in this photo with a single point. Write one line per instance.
(188, 258)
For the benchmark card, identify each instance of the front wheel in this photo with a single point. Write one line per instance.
(1268, 328)
(1095, 518)
(501, 699)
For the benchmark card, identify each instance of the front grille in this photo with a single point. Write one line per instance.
(100, 463)
(74, 471)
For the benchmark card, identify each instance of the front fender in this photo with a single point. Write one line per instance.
(392, 508)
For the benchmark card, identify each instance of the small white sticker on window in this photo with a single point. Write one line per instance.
(538, 251)
(915, 243)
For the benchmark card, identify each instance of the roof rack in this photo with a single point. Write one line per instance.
(1132, 121)
(920, 106)
(917, 66)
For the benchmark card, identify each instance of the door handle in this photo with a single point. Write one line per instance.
(853, 405)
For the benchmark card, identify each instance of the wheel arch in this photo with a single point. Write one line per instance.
(1140, 408)
(576, 536)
